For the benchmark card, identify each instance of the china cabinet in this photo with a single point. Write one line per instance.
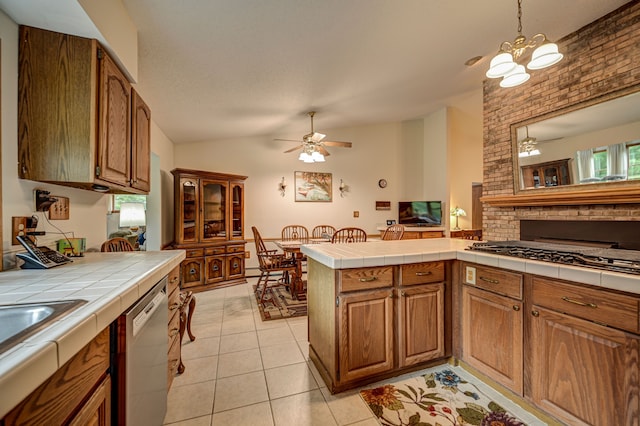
(76, 112)
(209, 225)
(551, 173)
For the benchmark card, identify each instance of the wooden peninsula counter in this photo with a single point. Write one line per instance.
(378, 309)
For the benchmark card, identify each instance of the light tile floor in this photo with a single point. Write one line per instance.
(243, 371)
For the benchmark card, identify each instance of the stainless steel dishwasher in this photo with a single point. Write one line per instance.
(142, 366)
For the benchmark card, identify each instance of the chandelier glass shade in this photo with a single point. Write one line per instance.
(505, 64)
(310, 154)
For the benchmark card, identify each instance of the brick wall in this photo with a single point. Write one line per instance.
(599, 60)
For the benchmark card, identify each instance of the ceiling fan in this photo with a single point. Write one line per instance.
(528, 145)
(313, 145)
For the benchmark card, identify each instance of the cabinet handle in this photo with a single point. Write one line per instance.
(577, 302)
(489, 280)
(422, 274)
(174, 306)
(403, 294)
(192, 271)
(174, 279)
(516, 308)
(368, 279)
(173, 332)
(535, 313)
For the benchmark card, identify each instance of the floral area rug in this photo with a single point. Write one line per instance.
(279, 304)
(438, 398)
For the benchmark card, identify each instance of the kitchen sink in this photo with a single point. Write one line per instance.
(20, 321)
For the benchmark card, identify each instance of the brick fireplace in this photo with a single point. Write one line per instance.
(601, 59)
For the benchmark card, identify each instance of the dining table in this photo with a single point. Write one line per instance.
(293, 247)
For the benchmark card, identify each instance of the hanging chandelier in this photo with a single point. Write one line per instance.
(505, 65)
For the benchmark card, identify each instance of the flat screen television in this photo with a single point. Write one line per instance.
(420, 213)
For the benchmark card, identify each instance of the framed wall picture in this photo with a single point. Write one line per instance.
(313, 186)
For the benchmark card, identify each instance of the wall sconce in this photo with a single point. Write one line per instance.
(343, 188)
(282, 186)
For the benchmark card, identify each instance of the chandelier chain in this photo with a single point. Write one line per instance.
(519, 16)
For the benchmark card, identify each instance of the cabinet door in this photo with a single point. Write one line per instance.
(97, 410)
(192, 272)
(215, 269)
(365, 337)
(235, 265)
(214, 210)
(114, 141)
(237, 211)
(480, 343)
(421, 324)
(140, 144)
(188, 215)
(582, 372)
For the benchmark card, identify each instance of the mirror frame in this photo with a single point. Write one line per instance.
(620, 192)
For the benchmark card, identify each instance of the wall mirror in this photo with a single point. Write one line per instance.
(592, 146)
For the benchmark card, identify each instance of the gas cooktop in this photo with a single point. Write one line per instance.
(610, 259)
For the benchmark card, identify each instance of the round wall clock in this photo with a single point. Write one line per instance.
(382, 183)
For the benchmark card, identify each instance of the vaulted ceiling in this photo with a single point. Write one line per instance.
(222, 69)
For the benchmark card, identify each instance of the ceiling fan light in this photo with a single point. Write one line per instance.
(545, 56)
(501, 65)
(529, 153)
(304, 157)
(317, 157)
(515, 77)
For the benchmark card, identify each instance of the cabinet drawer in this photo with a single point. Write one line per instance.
(492, 279)
(422, 273)
(174, 301)
(195, 253)
(365, 278)
(211, 251)
(174, 279)
(616, 310)
(174, 325)
(235, 249)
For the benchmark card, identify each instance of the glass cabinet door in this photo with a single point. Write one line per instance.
(214, 210)
(189, 210)
(237, 218)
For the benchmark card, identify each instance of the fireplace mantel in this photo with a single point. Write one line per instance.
(566, 198)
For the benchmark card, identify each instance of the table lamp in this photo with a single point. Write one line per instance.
(132, 215)
(457, 212)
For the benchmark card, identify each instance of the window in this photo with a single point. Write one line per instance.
(600, 162)
(128, 198)
(633, 152)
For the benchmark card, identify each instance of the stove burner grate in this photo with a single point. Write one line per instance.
(606, 259)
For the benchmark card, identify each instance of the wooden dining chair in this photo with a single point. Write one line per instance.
(349, 235)
(116, 244)
(393, 232)
(295, 232)
(322, 231)
(269, 262)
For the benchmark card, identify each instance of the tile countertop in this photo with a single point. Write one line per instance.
(109, 282)
(381, 253)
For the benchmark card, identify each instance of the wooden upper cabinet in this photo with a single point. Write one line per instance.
(75, 125)
(114, 143)
(140, 144)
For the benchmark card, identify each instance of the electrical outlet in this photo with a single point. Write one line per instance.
(60, 209)
(356, 214)
(18, 227)
(247, 254)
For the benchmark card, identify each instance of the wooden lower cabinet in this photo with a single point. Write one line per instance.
(421, 324)
(79, 392)
(582, 372)
(174, 351)
(366, 334)
(492, 333)
(369, 323)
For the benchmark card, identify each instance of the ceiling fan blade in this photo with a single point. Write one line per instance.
(289, 140)
(293, 149)
(321, 150)
(317, 137)
(337, 143)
